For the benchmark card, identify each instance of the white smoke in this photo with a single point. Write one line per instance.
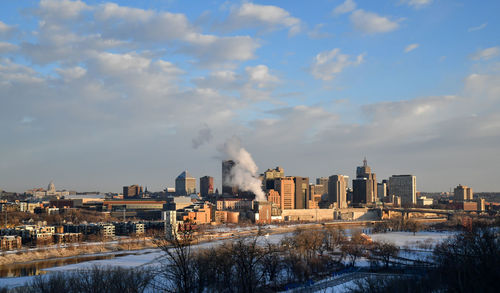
(244, 172)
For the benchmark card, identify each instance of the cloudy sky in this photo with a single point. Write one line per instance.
(96, 95)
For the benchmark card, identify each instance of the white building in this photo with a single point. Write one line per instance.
(424, 201)
(404, 186)
(171, 226)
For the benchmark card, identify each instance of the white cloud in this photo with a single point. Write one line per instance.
(326, 65)
(411, 47)
(417, 3)
(4, 27)
(7, 47)
(477, 28)
(266, 17)
(345, 7)
(371, 23)
(486, 53)
(62, 9)
(111, 26)
(317, 34)
(260, 76)
(71, 73)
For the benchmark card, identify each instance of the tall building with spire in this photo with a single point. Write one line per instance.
(185, 184)
(365, 185)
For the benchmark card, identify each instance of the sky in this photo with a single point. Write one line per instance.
(96, 95)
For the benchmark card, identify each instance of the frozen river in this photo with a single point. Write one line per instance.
(151, 257)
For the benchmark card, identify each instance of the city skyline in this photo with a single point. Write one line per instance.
(97, 95)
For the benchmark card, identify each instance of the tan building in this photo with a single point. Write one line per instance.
(272, 174)
(274, 197)
(286, 188)
(337, 191)
(222, 217)
(185, 184)
(132, 191)
(10, 242)
(481, 204)
(234, 204)
(463, 193)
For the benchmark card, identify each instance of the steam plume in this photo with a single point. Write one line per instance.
(244, 172)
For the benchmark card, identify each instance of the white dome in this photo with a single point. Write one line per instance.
(51, 187)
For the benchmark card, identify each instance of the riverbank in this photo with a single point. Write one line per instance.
(118, 246)
(79, 249)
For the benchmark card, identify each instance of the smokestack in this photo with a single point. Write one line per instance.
(244, 172)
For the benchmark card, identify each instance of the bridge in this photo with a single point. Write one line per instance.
(405, 212)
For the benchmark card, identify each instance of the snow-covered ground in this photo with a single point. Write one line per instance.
(408, 239)
(152, 256)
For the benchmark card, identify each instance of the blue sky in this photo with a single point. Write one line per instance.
(96, 87)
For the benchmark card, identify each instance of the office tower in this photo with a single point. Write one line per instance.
(346, 179)
(365, 185)
(324, 182)
(272, 174)
(381, 190)
(286, 188)
(301, 192)
(206, 186)
(405, 187)
(227, 178)
(185, 184)
(132, 191)
(360, 191)
(337, 191)
(463, 193)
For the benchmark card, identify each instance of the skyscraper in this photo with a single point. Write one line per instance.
(206, 186)
(463, 193)
(286, 187)
(337, 191)
(381, 190)
(301, 192)
(185, 184)
(227, 178)
(365, 185)
(404, 186)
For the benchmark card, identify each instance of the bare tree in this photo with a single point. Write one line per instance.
(384, 251)
(247, 256)
(177, 268)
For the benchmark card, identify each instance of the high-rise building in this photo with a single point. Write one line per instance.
(463, 193)
(272, 174)
(381, 190)
(301, 192)
(361, 191)
(365, 185)
(286, 188)
(206, 186)
(324, 182)
(185, 184)
(337, 191)
(227, 178)
(405, 187)
(132, 191)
